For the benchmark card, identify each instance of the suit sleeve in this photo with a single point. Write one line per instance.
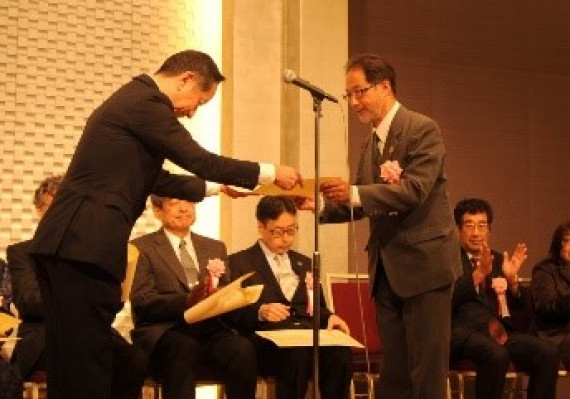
(25, 289)
(147, 303)
(464, 291)
(154, 123)
(190, 188)
(549, 306)
(335, 213)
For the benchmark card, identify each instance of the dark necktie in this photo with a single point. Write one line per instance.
(496, 330)
(188, 264)
(375, 156)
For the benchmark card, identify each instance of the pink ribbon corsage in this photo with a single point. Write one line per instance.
(215, 268)
(390, 172)
(499, 284)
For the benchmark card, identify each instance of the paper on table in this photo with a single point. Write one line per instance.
(230, 297)
(7, 322)
(293, 338)
(308, 189)
(132, 258)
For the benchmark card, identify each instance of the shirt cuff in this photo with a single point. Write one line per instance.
(355, 197)
(213, 188)
(266, 173)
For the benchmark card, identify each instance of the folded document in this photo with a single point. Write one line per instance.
(293, 338)
(230, 297)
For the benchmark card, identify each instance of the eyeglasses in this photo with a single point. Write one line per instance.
(279, 232)
(357, 93)
(470, 226)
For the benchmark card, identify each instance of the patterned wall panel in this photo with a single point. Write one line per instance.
(58, 60)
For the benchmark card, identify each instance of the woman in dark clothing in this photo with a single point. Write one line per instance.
(551, 292)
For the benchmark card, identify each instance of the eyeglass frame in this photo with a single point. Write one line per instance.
(279, 232)
(358, 93)
(481, 226)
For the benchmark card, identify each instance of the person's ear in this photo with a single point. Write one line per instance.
(184, 78)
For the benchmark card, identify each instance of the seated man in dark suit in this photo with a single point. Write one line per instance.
(29, 354)
(481, 329)
(171, 271)
(284, 304)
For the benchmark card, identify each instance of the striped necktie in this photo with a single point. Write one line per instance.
(188, 264)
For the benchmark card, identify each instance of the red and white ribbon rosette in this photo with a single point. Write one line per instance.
(499, 284)
(216, 268)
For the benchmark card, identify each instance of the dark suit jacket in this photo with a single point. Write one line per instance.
(253, 259)
(159, 292)
(117, 164)
(29, 303)
(412, 230)
(472, 310)
(550, 286)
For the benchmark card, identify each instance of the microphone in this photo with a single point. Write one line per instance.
(290, 77)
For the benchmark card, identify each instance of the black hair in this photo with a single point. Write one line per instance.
(375, 69)
(561, 231)
(271, 207)
(472, 206)
(195, 61)
(47, 186)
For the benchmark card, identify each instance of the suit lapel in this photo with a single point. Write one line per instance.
(366, 168)
(300, 270)
(368, 171)
(166, 252)
(393, 137)
(201, 253)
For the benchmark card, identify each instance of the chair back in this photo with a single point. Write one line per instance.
(349, 297)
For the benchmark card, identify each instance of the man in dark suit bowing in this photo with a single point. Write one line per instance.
(30, 350)
(80, 246)
(483, 299)
(284, 304)
(172, 268)
(413, 253)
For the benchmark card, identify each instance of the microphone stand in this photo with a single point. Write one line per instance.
(317, 107)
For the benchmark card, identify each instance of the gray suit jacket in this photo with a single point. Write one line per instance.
(412, 230)
(159, 292)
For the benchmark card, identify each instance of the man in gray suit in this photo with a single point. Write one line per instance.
(173, 266)
(413, 250)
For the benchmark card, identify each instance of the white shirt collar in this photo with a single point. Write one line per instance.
(175, 242)
(269, 254)
(384, 126)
